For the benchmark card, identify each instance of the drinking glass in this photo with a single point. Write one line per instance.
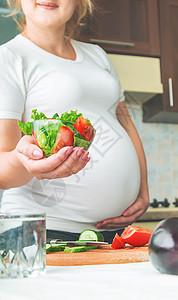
(22, 245)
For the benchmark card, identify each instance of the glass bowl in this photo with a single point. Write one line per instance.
(51, 135)
(45, 133)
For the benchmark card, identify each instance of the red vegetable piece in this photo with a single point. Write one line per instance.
(136, 236)
(64, 138)
(117, 242)
(84, 128)
(34, 136)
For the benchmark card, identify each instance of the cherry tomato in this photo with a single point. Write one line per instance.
(34, 136)
(84, 128)
(117, 242)
(64, 138)
(136, 236)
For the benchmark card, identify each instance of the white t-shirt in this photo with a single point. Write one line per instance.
(32, 78)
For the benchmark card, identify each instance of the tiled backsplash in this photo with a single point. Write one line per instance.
(160, 142)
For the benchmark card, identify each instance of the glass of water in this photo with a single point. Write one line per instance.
(22, 245)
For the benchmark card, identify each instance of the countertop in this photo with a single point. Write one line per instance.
(136, 281)
(160, 213)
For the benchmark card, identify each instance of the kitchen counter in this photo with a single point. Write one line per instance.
(160, 213)
(136, 281)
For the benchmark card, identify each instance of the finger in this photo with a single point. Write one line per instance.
(77, 161)
(112, 226)
(138, 205)
(70, 166)
(27, 147)
(70, 163)
(46, 165)
(83, 160)
(119, 222)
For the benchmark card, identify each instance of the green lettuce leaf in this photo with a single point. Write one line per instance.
(70, 117)
(26, 128)
(81, 143)
(37, 116)
(56, 116)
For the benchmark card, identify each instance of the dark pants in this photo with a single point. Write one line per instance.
(69, 236)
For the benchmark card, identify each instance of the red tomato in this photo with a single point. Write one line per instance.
(84, 128)
(34, 136)
(64, 138)
(117, 242)
(136, 236)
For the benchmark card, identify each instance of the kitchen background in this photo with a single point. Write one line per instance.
(160, 140)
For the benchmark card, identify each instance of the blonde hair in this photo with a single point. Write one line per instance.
(73, 26)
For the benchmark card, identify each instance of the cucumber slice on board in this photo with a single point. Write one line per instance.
(75, 249)
(91, 235)
(54, 248)
(91, 247)
(48, 247)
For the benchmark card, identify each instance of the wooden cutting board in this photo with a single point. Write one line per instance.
(104, 255)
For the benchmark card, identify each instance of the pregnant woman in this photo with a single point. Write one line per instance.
(45, 68)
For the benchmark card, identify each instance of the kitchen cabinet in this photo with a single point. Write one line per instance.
(164, 107)
(142, 28)
(125, 27)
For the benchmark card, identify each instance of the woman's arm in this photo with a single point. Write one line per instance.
(21, 159)
(12, 172)
(141, 203)
(126, 122)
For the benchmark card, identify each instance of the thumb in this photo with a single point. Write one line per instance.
(28, 148)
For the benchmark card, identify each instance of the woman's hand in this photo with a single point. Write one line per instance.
(129, 216)
(64, 163)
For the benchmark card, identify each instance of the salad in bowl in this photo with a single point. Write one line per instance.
(52, 134)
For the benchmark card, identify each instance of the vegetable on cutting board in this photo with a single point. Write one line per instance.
(163, 246)
(54, 248)
(132, 235)
(75, 249)
(136, 236)
(117, 242)
(86, 235)
(91, 235)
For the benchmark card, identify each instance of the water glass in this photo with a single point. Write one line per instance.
(22, 245)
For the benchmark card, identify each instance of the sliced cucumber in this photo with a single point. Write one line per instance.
(48, 247)
(91, 247)
(54, 248)
(101, 237)
(41, 137)
(75, 249)
(91, 235)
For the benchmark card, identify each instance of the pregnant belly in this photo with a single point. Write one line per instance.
(106, 187)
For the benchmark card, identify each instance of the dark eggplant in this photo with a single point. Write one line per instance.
(163, 246)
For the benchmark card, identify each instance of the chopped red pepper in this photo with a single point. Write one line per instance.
(117, 242)
(136, 236)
